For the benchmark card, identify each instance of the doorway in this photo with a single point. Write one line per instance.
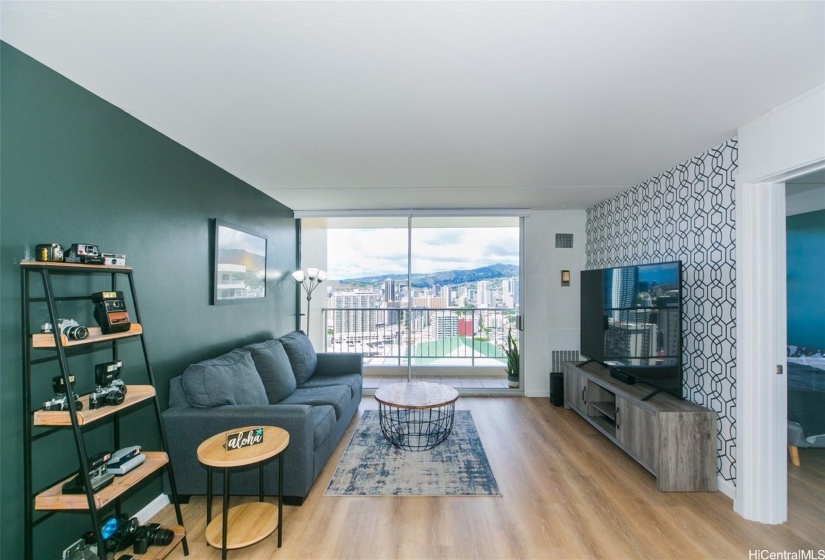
(805, 262)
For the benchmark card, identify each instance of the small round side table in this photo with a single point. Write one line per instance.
(416, 416)
(248, 523)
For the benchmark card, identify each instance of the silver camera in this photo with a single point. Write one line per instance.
(71, 328)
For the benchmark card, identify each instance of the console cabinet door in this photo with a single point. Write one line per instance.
(574, 390)
(636, 431)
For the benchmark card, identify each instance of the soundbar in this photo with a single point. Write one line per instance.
(616, 373)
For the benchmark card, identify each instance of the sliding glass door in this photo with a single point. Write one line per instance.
(426, 297)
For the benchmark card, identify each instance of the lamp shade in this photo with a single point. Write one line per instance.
(298, 275)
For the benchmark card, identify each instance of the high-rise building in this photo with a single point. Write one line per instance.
(389, 290)
(355, 313)
(444, 326)
(484, 298)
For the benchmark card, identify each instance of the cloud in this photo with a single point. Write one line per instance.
(374, 252)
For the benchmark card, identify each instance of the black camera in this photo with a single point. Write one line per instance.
(69, 327)
(61, 395)
(110, 312)
(106, 396)
(99, 476)
(110, 390)
(151, 535)
(121, 532)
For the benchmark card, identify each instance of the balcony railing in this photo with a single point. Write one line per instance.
(448, 336)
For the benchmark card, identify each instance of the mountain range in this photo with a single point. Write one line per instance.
(441, 278)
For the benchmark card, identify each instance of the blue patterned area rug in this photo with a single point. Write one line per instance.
(371, 466)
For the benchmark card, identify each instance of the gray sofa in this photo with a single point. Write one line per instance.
(281, 382)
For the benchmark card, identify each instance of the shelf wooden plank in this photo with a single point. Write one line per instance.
(606, 426)
(134, 395)
(246, 524)
(608, 408)
(54, 498)
(158, 552)
(46, 340)
(75, 266)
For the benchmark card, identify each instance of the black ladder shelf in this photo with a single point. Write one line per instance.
(52, 500)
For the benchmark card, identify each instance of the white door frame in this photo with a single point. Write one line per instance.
(761, 324)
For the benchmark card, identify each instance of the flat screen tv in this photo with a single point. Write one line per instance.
(631, 321)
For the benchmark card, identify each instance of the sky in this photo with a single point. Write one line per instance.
(356, 253)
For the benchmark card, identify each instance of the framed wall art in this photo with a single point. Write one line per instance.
(239, 264)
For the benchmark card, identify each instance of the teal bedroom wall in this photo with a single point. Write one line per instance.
(805, 246)
(76, 169)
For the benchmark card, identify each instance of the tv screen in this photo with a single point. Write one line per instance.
(631, 321)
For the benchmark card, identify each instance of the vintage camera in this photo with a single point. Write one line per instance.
(121, 532)
(61, 395)
(83, 253)
(62, 403)
(48, 252)
(115, 260)
(69, 327)
(99, 476)
(110, 390)
(110, 312)
(82, 549)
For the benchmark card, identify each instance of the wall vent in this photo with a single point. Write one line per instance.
(558, 357)
(564, 241)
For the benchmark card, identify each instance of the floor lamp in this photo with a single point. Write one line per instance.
(309, 280)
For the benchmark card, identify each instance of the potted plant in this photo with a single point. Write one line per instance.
(512, 360)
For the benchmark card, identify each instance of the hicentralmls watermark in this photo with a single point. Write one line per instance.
(787, 555)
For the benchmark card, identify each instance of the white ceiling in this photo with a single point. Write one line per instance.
(378, 105)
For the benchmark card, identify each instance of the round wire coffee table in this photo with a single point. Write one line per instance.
(416, 416)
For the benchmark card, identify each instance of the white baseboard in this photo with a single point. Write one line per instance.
(152, 508)
(726, 487)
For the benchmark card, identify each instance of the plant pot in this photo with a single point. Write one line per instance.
(512, 381)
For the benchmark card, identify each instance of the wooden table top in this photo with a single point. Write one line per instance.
(416, 394)
(212, 453)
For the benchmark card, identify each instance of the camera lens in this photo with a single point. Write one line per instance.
(114, 398)
(162, 537)
(76, 333)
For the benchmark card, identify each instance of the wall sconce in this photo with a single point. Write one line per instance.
(565, 278)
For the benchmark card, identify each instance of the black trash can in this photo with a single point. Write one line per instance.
(557, 388)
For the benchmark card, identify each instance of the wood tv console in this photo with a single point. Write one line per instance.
(674, 439)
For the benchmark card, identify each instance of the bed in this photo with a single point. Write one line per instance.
(806, 399)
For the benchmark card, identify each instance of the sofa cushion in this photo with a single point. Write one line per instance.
(228, 379)
(274, 368)
(323, 419)
(351, 380)
(337, 396)
(301, 355)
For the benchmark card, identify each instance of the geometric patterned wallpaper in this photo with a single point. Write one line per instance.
(687, 214)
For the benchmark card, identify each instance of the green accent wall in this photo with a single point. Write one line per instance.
(76, 169)
(805, 247)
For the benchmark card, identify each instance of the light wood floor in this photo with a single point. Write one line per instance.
(567, 493)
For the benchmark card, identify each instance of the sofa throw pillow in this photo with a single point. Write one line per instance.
(228, 379)
(301, 355)
(274, 368)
